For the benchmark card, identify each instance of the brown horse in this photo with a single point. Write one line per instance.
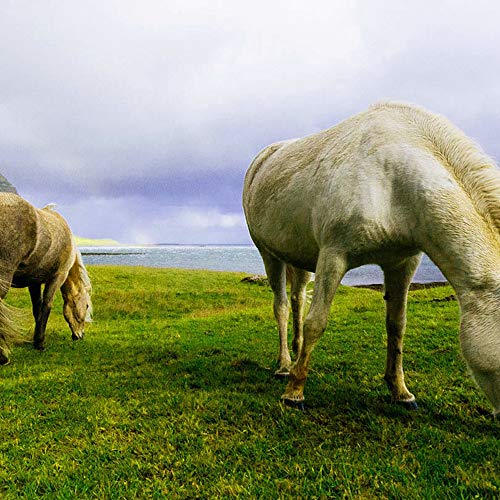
(37, 248)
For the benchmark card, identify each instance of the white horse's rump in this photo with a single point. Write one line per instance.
(381, 187)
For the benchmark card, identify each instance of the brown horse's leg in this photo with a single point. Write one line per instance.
(397, 281)
(44, 309)
(299, 281)
(36, 303)
(36, 300)
(330, 269)
(276, 275)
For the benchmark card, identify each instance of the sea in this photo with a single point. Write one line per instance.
(240, 258)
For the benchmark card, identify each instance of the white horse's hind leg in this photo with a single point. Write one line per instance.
(276, 274)
(397, 282)
(330, 269)
(299, 280)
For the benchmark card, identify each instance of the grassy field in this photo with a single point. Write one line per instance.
(172, 395)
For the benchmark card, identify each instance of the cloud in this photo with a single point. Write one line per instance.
(159, 105)
(132, 219)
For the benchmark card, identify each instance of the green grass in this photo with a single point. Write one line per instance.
(172, 395)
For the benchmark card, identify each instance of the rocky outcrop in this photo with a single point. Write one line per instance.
(6, 186)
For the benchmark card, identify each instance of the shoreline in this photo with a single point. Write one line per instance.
(413, 286)
(113, 253)
(379, 287)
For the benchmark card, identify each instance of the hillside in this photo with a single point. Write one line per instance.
(89, 242)
(6, 186)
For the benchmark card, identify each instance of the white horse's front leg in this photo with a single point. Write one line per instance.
(397, 282)
(330, 269)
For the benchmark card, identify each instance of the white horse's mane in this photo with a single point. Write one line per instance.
(476, 172)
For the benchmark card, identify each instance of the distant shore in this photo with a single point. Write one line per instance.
(89, 242)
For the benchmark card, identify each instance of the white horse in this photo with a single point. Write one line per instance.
(381, 187)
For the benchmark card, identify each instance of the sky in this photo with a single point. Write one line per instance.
(138, 119)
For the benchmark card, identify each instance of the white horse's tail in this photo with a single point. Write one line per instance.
(11, 331)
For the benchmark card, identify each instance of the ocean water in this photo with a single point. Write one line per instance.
(243, 258)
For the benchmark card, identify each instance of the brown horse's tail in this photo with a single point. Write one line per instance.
(10, 330)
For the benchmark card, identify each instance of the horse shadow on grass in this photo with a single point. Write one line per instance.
(213, 369)
(217, 370)
(367, 405)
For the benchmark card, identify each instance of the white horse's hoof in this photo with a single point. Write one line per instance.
(409, 405)
(293, 401)
(281, 374)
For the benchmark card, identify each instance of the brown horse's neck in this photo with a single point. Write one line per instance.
(77, 282)
(71, 283)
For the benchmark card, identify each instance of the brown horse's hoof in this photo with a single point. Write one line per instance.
(294, 403)
(40, 348)
(409, 405)
(4, 360)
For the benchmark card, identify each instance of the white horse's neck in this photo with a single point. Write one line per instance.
(470, 274)
(471, 282)
(467, 250)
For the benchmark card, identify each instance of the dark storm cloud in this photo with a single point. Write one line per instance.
(198, 189)
(140, 118)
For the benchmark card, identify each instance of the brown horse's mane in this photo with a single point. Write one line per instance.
(84, 280)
